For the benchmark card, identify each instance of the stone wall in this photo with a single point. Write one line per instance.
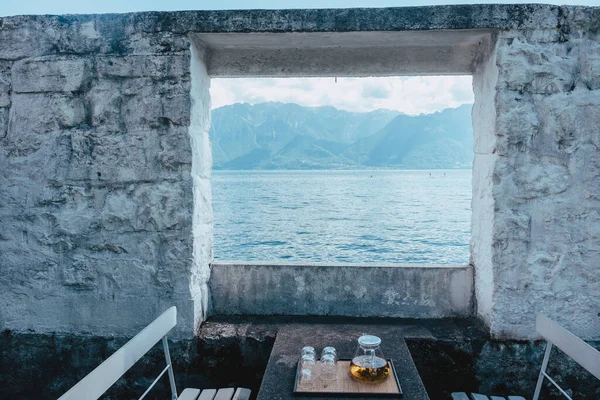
(485, 78)
(540, 204)
(201, 172)
(406, 291)
(96, 199)
(105, 215)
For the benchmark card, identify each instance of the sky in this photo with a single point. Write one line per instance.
(411, 95)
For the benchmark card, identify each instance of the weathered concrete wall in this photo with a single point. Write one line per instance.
(541, 198)
(96, 200)
(409, 291)
(485, 80)
(105, 160)
(201, 172)
(535, 190)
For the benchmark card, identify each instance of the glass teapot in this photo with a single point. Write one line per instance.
(369, 363)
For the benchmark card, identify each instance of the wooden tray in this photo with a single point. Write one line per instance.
(348, 386)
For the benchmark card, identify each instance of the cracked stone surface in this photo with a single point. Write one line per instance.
(544, 182)
(96, 194)
(105, 160)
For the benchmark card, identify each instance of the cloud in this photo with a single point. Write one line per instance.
(377, 91)
(410, 95)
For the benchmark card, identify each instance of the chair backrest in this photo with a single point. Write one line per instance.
(584, 354)
(106, 374)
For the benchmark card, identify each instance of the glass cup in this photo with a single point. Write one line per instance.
(307, 361)
(309, 350)
(306, 380)
(329, 350)
(328, 367)
(307, 371)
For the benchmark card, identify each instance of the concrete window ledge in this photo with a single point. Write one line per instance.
(355, 290)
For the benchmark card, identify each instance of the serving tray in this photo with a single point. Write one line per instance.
(347, 386)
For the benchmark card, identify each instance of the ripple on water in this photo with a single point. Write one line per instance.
(342, 216)
(268, 243)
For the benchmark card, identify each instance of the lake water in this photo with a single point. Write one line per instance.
(377, 216)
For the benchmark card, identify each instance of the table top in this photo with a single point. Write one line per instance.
(278, 381)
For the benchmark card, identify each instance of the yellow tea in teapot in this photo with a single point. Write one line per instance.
(369, 363)
(369, 369)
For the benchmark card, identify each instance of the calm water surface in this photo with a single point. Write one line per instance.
(343, 216)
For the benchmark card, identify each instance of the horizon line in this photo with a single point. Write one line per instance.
(341, 109)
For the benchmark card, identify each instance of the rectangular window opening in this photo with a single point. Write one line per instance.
(342, 170)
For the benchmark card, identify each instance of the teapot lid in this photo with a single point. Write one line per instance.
(369, 340)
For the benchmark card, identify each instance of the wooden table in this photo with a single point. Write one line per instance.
(278, 381)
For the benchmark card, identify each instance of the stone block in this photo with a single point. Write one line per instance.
(517, 123)
(27, 36)
(138, 263)
(514, 223)
(584, 166)
(14, 190)
(589, 64)
(532, 68)
(175, 149)
(65, 255)
(109, 159)
(4, 93)
(153, 109)
(40, 275)
(42, 113)
(567, 123)
(136, 104)
(146, 43)
(50, 74)
(147, 207)
(106, 100)
(3, 122)
(155, 66)
(583, 19)
(120, 36)
(23, 36)
(163, 207)
(79, 275)
(85, 312)
(543, 177)
(24, 149)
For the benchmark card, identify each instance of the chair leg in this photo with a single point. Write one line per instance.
(538, 386)
(165, 343)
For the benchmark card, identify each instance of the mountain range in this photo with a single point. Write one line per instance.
(289, 136)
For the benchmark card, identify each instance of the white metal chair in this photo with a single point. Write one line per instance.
(106, 374)
(581, 352)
